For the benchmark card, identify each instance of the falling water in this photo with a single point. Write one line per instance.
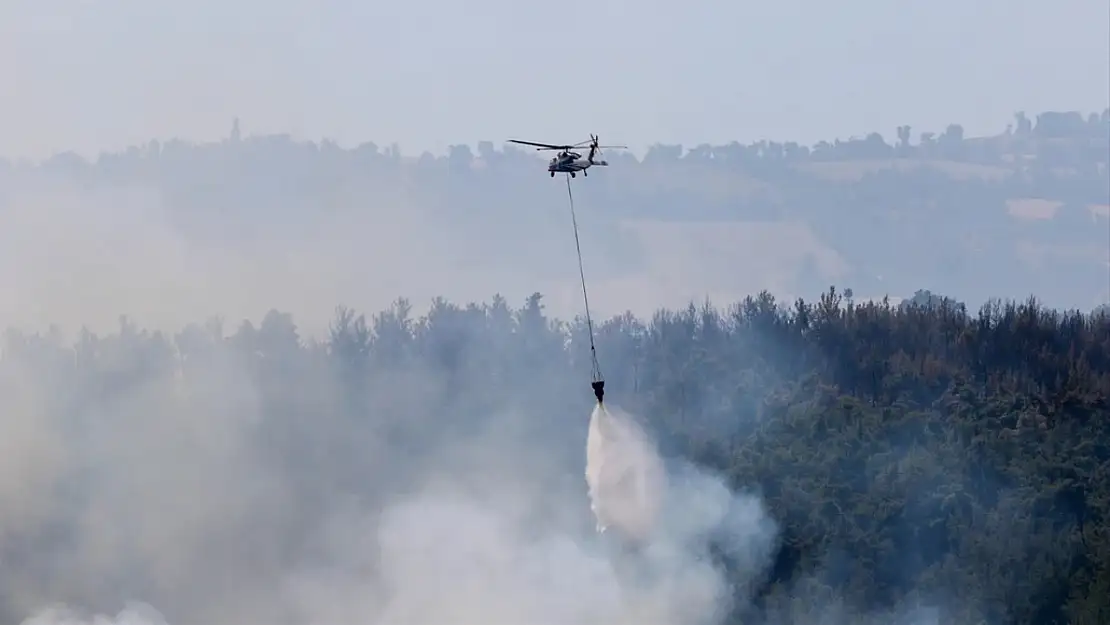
(624, 474)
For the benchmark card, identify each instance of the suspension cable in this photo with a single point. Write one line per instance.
(596, 368)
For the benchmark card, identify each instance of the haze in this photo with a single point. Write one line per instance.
(106, 76)
(87, 76)
(194, 199)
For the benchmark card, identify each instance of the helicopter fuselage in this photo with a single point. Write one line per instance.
(572, 163)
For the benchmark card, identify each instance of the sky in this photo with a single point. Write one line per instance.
(91, 76)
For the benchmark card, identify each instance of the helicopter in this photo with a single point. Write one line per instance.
(568, 160)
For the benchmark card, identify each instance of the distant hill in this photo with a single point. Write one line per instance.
(972, 217)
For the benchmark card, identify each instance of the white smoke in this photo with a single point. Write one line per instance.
(476, 543)
(489, 537)
(671, 519)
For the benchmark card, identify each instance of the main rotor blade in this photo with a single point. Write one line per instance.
(545, 146)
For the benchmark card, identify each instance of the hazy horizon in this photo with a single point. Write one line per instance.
(92, 77)
(172, 233)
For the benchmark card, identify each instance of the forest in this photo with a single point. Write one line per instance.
(923, 443)
(912, 456)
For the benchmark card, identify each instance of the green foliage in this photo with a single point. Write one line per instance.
(915, 454)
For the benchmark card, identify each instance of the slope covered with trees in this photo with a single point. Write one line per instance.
(915, 454)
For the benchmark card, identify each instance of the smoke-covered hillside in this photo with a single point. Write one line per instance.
(826, 463)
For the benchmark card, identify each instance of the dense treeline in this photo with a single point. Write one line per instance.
(917, 454)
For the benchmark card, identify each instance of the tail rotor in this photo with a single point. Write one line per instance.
(595, 148)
